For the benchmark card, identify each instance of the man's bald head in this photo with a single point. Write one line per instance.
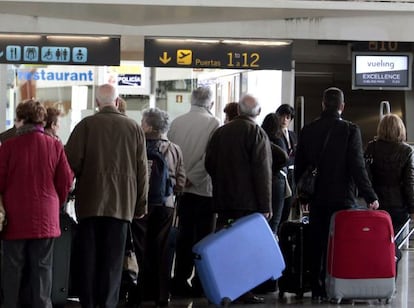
(249, 106)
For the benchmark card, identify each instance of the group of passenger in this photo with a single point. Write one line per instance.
(343, 177)
(217, 174)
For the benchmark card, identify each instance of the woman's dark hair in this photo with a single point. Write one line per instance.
(285, 109)
(31, 112)
(52, 115)
(232, 110)
(271, 125)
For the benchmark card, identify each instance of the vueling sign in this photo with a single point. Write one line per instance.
(55, 76)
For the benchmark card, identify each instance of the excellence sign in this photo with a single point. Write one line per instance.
(381, 71)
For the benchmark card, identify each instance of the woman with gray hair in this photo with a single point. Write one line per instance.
(165, 160)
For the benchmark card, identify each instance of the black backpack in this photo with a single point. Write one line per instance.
(160, 184)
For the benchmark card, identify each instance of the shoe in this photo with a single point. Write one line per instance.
(319, 299)
(254, 300)
(250, 298)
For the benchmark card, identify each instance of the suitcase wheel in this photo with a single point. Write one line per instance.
(385, 301)
(225, 302)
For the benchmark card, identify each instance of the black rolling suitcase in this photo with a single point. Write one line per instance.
(295, 247)
(62, 251)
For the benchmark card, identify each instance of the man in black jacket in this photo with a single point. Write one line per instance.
(341, 172)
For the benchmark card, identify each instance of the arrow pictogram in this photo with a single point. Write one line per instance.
(165, 58)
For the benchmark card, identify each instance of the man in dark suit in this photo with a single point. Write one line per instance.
(341, 170)
(286, 114)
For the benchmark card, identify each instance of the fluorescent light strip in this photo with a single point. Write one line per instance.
(20, 36)
(227, 41)
(259, 43)
(86, 38)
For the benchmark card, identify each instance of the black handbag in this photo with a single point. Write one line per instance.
(305, 186)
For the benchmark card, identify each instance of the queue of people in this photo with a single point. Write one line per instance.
(207, 175)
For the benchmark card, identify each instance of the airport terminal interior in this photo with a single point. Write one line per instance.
(158, 51)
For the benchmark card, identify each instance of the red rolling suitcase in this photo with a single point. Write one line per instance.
(361, 256)
(237, 259)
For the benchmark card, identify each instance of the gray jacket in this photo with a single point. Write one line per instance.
(191, 132)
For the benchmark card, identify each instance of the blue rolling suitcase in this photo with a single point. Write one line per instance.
(237, 259)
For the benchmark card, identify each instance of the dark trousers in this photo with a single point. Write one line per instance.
(196, 220)
(38, 255)
(319, 222)
(101, 252)
(156, 271)
(278, 200)
(139, 237)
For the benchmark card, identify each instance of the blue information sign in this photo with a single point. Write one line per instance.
(81, 50)
(13, 53)
(80, 54)
(31, 53)
(55, 54)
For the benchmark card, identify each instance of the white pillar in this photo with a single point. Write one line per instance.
(288, 89)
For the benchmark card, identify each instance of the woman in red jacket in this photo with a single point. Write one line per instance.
(35, 179)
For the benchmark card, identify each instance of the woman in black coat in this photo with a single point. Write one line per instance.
(271, 126)
(391, 165)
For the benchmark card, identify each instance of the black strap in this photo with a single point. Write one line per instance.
(129, 246)
(324, 146)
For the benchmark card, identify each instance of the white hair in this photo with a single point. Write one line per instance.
(106, 94)
(202, 97)
(249, 106)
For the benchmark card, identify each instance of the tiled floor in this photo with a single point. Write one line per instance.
(403, 298)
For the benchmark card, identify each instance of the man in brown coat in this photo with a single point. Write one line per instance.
(239, 161)
(108, 155)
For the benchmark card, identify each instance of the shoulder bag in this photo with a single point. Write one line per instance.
(305, 186)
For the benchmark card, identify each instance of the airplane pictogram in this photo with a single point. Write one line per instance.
(184, 56)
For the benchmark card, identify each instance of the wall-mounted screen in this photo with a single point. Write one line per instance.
(377, 71)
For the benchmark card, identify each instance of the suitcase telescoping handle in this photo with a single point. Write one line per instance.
(406, 237)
